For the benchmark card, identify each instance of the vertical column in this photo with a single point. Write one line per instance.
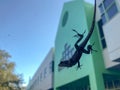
(96, 82)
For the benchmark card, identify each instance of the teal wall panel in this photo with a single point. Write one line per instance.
(76, 19)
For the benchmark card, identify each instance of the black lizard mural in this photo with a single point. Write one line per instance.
(80, 49)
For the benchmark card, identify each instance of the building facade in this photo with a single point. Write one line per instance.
(108, 17)
(100, 70)
(43, 78)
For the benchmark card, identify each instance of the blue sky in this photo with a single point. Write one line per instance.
(27, 31)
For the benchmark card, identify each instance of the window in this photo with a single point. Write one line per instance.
(112, 11)
(107, 3)
(51, 66)
(100, 28)
(103, 42)
(108, 9)
(68, 52)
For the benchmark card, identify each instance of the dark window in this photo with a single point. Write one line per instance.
(100, 24)
(51, 66)
(104, 43)
(112, 11)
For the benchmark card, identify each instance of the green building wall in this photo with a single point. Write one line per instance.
(78, 15)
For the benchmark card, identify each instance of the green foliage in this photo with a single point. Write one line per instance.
(8, 79)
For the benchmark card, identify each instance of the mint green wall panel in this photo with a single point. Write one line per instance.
(76, 20)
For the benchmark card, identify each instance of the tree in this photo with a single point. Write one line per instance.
(8, 79)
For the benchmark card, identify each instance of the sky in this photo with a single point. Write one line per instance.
(28, 30)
